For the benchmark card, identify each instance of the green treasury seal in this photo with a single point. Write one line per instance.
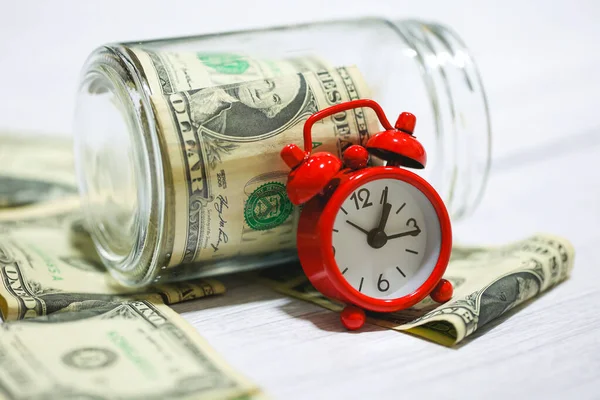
(267, 207)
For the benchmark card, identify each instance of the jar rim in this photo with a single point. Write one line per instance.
(137, 265)
(460, 108)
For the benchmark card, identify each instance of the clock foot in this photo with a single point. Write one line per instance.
(353, 317)
(442, 292)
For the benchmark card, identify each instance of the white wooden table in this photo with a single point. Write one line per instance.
(540, 65)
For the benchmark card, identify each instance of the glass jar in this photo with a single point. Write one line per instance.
(177, 141)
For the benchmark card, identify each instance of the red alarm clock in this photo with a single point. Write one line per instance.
(376, 238)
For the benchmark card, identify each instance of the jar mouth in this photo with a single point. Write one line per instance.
(118, 173)
(459, 105)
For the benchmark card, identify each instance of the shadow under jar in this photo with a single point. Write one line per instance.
(177, 140)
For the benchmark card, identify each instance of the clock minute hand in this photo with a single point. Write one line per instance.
(384, 216)
(414, 232)
(358, 227)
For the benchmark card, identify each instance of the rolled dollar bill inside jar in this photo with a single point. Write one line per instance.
(178, 140)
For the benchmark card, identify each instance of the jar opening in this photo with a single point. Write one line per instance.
(114, 170)
(462, 153)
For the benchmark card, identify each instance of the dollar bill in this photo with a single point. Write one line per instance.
(48, 262)
(223, 147)
(119, 349)
(488, 282)
(34, 169)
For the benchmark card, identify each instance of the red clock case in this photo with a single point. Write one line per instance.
(321, 183)
(314, 240)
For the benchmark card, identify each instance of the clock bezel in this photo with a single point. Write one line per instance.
(328, 278)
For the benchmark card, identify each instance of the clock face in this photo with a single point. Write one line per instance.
(386, 238)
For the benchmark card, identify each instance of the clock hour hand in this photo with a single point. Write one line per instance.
(358, 227)
(414, 232)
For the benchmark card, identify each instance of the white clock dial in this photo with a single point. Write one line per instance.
(386, 238)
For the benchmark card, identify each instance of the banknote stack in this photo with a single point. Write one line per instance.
(81, 335)
(205, 183)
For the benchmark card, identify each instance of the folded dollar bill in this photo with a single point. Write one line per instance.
(123, 348)
(34, 169)
(48, 264)
(488, 282)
